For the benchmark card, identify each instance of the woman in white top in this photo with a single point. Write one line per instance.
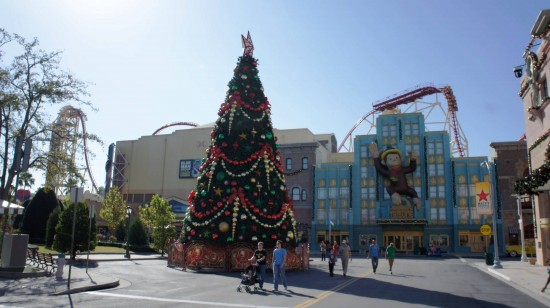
(345, 256)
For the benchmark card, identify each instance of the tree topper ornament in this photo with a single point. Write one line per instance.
(389, 165)
(247, 45)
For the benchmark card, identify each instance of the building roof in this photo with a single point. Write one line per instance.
(541, 25)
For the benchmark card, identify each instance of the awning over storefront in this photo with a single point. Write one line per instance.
(11, 207)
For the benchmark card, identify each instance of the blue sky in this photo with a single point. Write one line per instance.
(322, 63)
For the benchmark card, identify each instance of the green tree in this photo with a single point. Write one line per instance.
(113, 209)
(29, 86)
(138, 234)
(53, 220)
(241, 194)
(64, 229)
(37, 213)
(158, 215)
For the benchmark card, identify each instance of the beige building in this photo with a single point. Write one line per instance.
(536, 103)
(168, 164)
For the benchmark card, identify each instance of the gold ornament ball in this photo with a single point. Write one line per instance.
(290, 234)
(223, 226)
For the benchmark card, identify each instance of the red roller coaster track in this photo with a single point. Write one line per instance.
(174, 124)
(411, 96)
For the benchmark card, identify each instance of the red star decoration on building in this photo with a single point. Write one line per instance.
(247, 45)
(483, 196)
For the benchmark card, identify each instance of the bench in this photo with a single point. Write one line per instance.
(42, 260)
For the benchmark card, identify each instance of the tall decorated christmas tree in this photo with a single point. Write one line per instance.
(241, 194)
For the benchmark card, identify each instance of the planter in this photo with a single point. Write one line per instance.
(532, 261)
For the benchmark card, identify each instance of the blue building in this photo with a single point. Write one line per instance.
(351, 201)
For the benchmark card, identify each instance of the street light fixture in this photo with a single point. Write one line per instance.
(522, 234)
(496, 262)
(128, 212)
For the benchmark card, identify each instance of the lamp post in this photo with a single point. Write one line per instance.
(496, 262)
(522, 234)
(128, 212)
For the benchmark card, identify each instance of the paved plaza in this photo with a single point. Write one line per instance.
(145, 280)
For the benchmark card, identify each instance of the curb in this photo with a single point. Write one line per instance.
(89, 288)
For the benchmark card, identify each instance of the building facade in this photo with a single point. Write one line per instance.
(352, 201)
(511, 165)
(536, 104)
(168, 165)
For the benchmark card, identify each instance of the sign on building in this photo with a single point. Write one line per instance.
(189, 168)
(483, 198)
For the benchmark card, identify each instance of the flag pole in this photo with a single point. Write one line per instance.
(329, 227)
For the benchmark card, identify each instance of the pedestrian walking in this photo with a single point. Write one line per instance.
(373, 255)
(323, 250)
(335, 247)
(331, 263)
(390, 256)
(259, 257)
(345, 256)
(547, 280)
(279, 261)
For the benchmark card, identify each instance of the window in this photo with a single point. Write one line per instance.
(344, 216)
(462, 190)
(321, 193)
(304, 163)
(365, 216)
(372, 215)
(439, 148)
(304, 195)
(463, 214)
(441, 191)
(321, 216)
(296, 194)
(289, 164)
(368, 193)
(442, 214)
(333, 192)
(439, 240)
(344, 192)
(433, 212)
(364, 152)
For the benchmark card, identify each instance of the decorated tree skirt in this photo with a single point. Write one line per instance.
(199, 256)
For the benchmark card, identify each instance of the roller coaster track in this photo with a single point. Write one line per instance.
(175, 124)
(85, 138)
(459, 144)
(65, 140)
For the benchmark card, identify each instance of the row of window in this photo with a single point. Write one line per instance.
(298, 194)
(305, 163)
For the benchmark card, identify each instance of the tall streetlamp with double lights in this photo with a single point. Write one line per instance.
(522, 234)
(496, 262)
(128, 212)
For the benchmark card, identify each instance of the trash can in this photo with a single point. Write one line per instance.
(60, 265)
(489, 258)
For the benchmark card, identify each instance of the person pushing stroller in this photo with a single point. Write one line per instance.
(259, 257)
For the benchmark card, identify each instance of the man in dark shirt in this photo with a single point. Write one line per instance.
(259, 256)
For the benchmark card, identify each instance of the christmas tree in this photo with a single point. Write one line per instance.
(241, 194)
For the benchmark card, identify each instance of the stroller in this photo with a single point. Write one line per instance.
(249, 278)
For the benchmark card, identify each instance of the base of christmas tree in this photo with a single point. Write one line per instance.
(199, 256)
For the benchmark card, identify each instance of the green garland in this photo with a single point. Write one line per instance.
(538, 177)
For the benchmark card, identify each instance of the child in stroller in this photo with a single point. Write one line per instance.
(248, 279)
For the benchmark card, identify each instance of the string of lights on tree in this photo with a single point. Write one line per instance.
(241, 194)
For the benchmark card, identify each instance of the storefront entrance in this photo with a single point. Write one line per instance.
(335, 235)
(404, 241)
